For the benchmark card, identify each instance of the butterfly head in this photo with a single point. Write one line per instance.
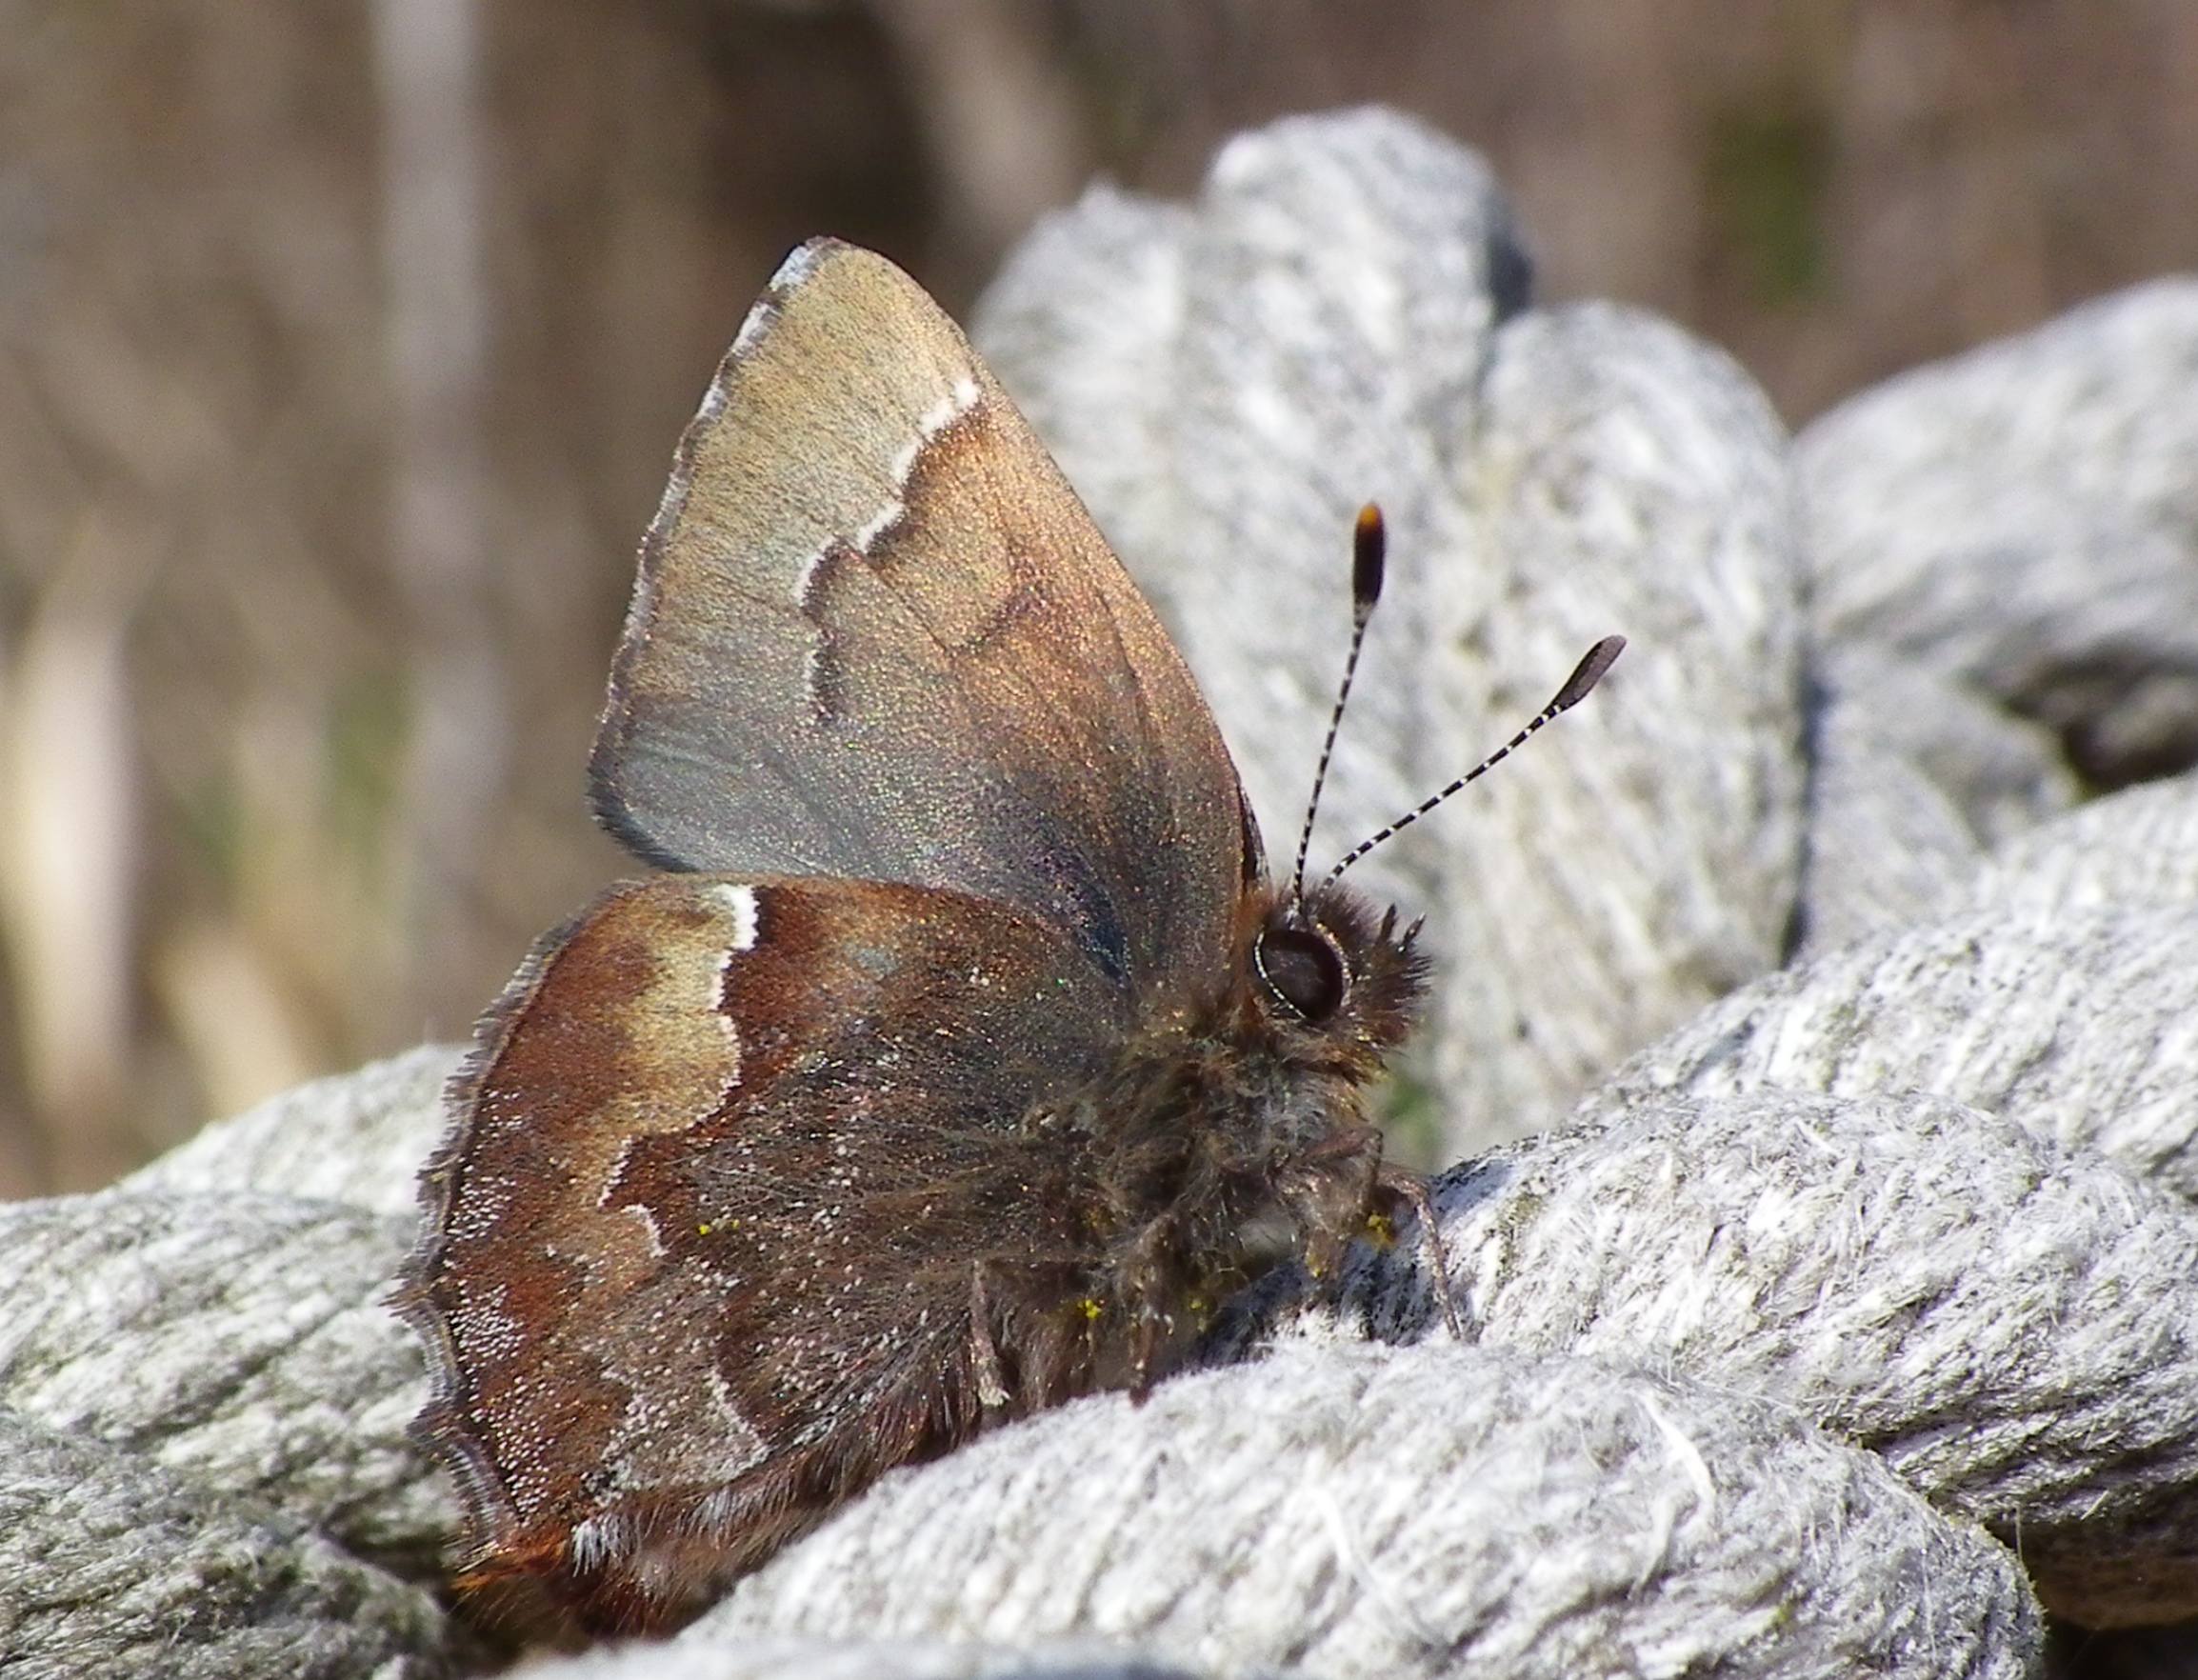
(1339, 981)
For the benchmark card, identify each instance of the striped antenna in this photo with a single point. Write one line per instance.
(1368, 551)
(1585, 676)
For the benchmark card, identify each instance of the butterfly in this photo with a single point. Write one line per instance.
(961, 1058)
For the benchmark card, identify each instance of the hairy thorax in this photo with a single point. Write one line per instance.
(1228, 1135)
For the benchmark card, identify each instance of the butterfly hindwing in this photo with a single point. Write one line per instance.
(746, 1141)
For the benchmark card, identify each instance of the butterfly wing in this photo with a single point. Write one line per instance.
(877, 636)
(700, 1249)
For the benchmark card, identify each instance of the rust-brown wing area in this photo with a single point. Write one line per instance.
(699, 1247)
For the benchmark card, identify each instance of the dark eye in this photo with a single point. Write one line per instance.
(1302, 970)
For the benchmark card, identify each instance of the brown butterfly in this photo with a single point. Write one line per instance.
(964, 1059)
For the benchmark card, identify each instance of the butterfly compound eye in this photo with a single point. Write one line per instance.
(1304, 969)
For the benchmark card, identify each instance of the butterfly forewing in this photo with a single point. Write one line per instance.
(877, 636)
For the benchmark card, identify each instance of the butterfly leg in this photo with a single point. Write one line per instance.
(1155, 1350)
(1331, 1191)
(983, 1350)
(1151, 1284)
(1411, 1190)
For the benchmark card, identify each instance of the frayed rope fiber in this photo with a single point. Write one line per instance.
(1342, 1507)
(2014, 1329)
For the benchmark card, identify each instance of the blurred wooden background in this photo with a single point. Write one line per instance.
(343, 347)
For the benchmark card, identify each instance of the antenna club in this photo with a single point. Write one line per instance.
(1368, 554)
(1589, 672)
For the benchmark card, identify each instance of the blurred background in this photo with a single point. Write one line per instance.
(343, 343)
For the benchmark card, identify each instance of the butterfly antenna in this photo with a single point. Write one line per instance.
(1368, 550)
(1585, 676)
